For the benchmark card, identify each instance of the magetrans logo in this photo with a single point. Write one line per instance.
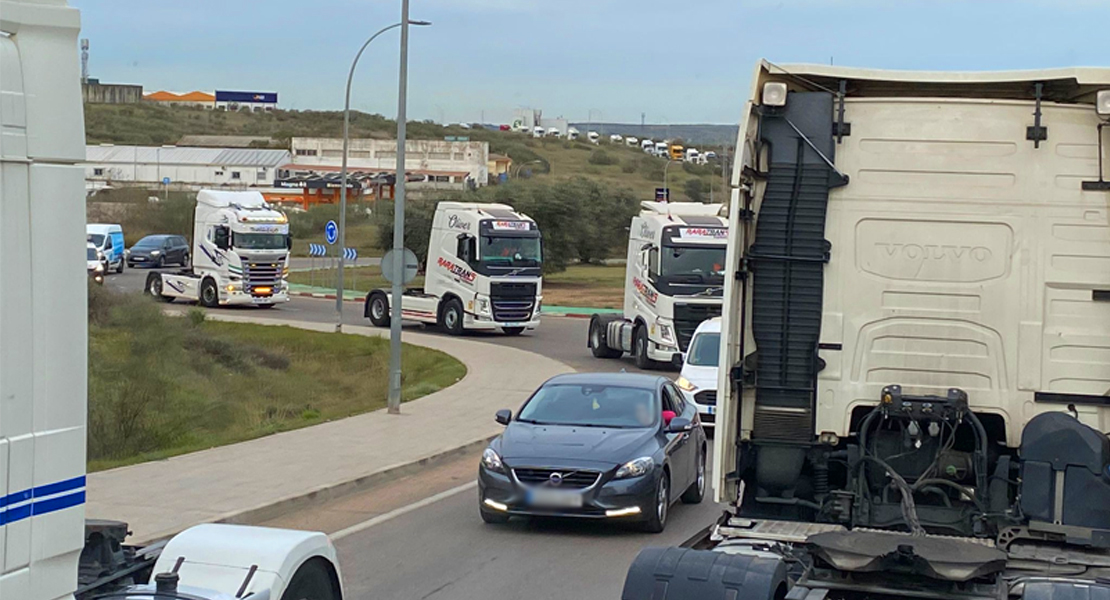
(466, 275)
(646, 291)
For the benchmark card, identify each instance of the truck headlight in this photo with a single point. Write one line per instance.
(685, 384)
(483, 306)
(774, 93)
(635, 468)
(666, 332)
(1102, 103)
(492, 461)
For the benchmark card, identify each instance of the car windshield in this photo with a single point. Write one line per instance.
(97, 239)
(511, 251)
(90, 254)
(705, 350)
(259, 241)
(705, 263)
(149, 242)
(591, 406)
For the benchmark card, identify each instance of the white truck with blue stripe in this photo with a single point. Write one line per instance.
(240, 254)
(44, 362)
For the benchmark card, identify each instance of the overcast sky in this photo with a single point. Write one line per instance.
(678, 61)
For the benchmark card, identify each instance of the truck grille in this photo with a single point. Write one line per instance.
(266, 274)
(706, 398)
(687, 317)
(512, 301)
(569, 479)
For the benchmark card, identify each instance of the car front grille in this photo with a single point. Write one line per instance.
(687, 317)
(512, 301)
(265, 274)
(706, 398)
(569, 479)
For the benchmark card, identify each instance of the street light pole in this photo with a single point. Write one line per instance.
(394, 398)
(667, 189)
(343, 173)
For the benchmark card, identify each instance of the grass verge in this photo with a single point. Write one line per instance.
(161, 386)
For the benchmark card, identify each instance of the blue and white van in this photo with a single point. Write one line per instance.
(109, 240)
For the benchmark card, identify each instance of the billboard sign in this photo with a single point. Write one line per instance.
(259, 97)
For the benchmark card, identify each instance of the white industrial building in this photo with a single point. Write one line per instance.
(444, 162)
(108, 164)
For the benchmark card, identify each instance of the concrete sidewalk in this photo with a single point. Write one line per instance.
(161, 498)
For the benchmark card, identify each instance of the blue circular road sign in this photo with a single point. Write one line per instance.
(331, 232)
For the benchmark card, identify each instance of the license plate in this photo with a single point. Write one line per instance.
(710, 410)
(138, 259)
(513, 324)
(262, 300)
(554, 499)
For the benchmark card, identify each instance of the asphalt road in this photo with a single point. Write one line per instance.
(560, 338)
(426, 540)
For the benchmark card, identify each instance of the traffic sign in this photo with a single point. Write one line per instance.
(411, 266)
(350, 254)
(317, 250)
(165, 181)
(662, 194)
(331, 232)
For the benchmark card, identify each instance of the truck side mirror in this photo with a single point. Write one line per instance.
(289, 241)
(222, 238)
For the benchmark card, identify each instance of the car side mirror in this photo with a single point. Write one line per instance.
(503, 416)
(679, 425)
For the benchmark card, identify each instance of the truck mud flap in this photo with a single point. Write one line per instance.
(684, 574)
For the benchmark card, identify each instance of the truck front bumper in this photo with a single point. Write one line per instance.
(478, 323)
(240, 298)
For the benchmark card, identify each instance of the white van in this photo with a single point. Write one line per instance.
(698, 380)
(108, 239)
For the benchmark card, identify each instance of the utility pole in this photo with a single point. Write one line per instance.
(394, 399)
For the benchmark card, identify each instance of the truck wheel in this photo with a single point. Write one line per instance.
(696, 492)
(154, 287)
(640, 349)
(209, 295)
(452, 317)
(599, 341)
(513, 330)
(311, 582)
(657, 520)
(377, 309)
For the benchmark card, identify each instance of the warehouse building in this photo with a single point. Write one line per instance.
(449, 164)
(109, 164)
(200, 99)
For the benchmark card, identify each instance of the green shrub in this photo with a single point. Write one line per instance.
(601, 157)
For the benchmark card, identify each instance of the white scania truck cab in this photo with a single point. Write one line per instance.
(47, 550)
(240, 254)
(484, 272)
(915, 347)
(674, 278)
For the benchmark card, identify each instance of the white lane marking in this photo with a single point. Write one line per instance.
(404, 510)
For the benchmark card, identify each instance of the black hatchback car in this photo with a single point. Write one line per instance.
(159, 251)
(616, 446)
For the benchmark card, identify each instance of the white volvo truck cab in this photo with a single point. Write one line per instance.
(240, 254)
(674, 278)
(484, 272)
(44, 365)
(915, 346)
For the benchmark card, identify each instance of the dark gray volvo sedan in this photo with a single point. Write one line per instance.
(616, 446)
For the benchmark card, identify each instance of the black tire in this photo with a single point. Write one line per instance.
(599, 344)
(639, 349)
(493, 518)
(130, 266)
(312, 581)
(119, 269)
(657, 520)
(377, 309)
(696, 492)
(154, 287)
(209, 295)
(265, 306)
(513, 330)
(161, 262)
(451, 316)
(185, 261)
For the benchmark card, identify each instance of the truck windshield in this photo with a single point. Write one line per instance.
(259, 241)
(702, 264)
(504, 251)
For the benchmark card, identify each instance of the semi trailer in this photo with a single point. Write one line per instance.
(674, 279)
(915, 348)
(484, 272)
(47, 549)
(240, 254)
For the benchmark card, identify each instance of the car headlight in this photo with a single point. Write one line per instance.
(155, 252)
(685, 384)
(635, 468)
(99, 268)
(492, 461)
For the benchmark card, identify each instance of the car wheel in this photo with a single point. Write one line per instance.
(452, 317)
(311, 582)
(696, 492)
(378, 310)
(657, 521)
(185, 261)
(493, 518)
(513, 330)
(598, 344)
(640, 349)
(209, 295)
